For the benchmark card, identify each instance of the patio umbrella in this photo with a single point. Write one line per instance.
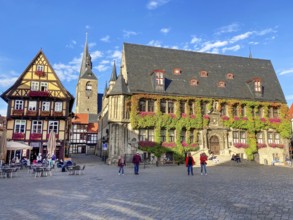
(16, 145)
(3, 146)
(51, 146)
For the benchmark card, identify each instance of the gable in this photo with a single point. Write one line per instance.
(38, 72)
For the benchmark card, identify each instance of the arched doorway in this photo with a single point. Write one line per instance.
(215, 145)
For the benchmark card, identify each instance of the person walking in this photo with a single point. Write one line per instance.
(203, 163)
(136, 160)
(189, 162)
(121, 164)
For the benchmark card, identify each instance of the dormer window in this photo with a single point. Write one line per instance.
(193, 82)
(203, 73)
(160, 78)
(230, 76)
(221, 84)
(44, 86)
(177, 71)
(257, 85)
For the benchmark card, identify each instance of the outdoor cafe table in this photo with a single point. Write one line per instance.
(8, 171)
(74, 170)
(40, 170)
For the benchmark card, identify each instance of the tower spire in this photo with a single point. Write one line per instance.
(86, 62)
(114, 73)
(250, 54)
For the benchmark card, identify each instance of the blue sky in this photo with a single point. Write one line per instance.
(59, 27)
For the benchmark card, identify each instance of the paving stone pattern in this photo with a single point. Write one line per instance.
(229, 191)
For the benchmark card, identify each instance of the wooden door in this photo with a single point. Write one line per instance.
(215, 145)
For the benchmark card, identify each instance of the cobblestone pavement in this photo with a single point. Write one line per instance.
(229, 191)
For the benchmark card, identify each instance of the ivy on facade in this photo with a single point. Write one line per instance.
(197, 121)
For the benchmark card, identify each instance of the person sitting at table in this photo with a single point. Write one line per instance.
(39, 158)
(17, 160)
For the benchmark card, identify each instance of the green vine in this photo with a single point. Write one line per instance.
(197, 121)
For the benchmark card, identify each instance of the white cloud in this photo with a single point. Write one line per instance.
(228, 29)
(165, 30)
(96, 54)
(253, 43)
(102, 67)
(233, 48)
(285, 72)
(127, 34)
(66, 72)
(106, 39)
(105, 62)
(240, 37)
(7, 80)
(265, 31)
(208, 46)
(153, 4)
(155, 43)
(71, 44)
(116, 54)
(87, 27)
(92, 44)
(195, 40)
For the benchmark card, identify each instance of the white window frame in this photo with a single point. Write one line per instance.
(40, 68)
(37, 127)
(19, 126)
(160, 78)
(32, 105)
(44, 86)
(35, 86)
(53, 125)
(45, 106)
(18, 104)
(58, 107)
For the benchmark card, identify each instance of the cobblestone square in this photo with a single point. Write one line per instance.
(229, 191)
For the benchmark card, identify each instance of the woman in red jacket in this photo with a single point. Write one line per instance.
(203, 163)
(189, 161)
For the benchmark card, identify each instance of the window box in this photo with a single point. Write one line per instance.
(225, 118)
(18, 136)
(31, 113)
(206, 117)
(40, 73)
(58, 114)
(275, 120)
(35, 136)
(169, 144)
(281, 146)
(183, 115)
(146, 144)
(17, 112)
(192, 116)
(236, 118)
(240, 145)
(184, 144)
(263, 120)
(45, 113)
(147, 114)
(244, 118)
(38, 93)
(259, 146)
(172, 115)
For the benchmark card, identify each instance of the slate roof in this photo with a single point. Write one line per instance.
(141, 61)
(120, 87)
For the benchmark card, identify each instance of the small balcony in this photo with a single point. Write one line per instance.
(18, 136)
(58, 114)
(36, 136)
(18, 112)
(40, 73)
(45, 113)
(38, 93)
(31, 113)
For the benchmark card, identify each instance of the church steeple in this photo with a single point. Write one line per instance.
(114, 73)
(86, 62)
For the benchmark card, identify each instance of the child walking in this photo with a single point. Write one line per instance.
(121, 164)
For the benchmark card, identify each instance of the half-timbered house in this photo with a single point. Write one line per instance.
(38, 103)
